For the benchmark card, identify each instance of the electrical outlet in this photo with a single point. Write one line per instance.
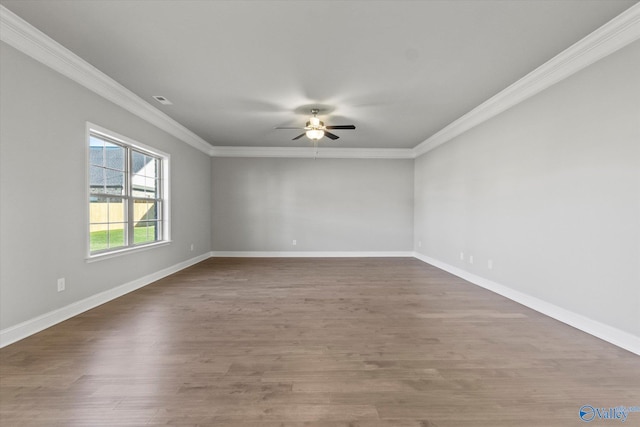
(462, 256)
(490, 264)
(61, 284)
(192, 247)
(470, 259)
(295, 242)
(419, 243)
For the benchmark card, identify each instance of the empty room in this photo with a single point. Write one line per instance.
(320, 213)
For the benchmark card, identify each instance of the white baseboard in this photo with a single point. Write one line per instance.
(607, 333)
(37, 324)
(311, 254)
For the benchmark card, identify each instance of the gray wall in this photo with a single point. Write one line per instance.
(550, 191)
(263, 204)
(43, 196)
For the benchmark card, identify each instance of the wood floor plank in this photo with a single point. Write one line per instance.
(322, 342)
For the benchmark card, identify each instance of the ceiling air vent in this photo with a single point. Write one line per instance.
(162, 100)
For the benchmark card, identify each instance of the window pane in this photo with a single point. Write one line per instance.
(114, 182)
(98, 210)
(107, 223)
(116, 235)
(151, 187)
(116, 210)
(96, 151)
(138, 184)
(137, 162)
(144, 232)
(98, 237)
(142, 186)
(144, 210)
(145, 175)
(114, 156)
(151, 170)
(97, 179)
(144, 164)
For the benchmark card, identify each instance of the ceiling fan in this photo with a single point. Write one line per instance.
(315, 129)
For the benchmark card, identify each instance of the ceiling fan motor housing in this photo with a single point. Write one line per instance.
(311, 125)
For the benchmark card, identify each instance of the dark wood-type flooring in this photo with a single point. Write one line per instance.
(322, 342)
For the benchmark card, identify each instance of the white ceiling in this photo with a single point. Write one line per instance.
(399, 70)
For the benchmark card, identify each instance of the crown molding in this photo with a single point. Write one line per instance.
(616, 34)
(612, 36)
(311, 152)
(21, 35)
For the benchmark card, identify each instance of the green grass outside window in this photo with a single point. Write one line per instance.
(115, 238)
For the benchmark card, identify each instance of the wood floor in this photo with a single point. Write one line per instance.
(322, 342)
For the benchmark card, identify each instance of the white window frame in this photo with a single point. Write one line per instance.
(93, 129)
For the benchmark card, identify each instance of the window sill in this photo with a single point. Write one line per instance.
(120, 252)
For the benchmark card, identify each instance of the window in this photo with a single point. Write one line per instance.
(127, 194)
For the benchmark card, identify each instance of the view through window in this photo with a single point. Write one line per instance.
(126, 200)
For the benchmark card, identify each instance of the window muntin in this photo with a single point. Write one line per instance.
(127, 197)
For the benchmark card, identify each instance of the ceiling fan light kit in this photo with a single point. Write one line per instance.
(316, 130)
(314, 134)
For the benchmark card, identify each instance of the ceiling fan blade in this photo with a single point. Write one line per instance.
(331, 135)
(299, 136)
(287, 127)
(341, 127)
